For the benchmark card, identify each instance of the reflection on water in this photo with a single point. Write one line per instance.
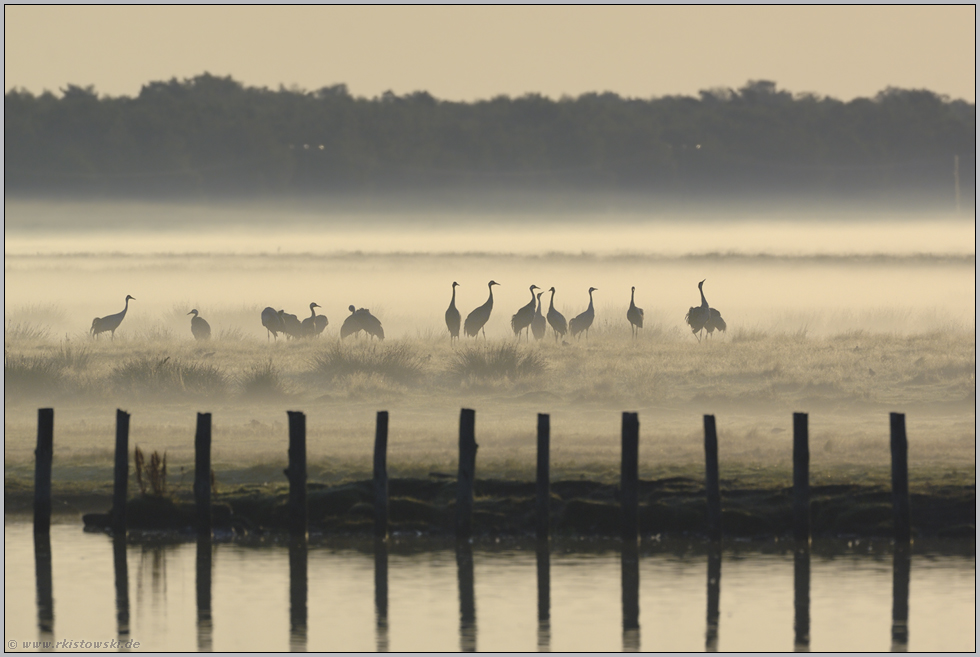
(588, 595)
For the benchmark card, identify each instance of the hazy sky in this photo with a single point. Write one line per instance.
(466, 53)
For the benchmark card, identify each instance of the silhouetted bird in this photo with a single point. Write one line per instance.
(538, 324)
(291, 325)
(634, 315)
(477, 319)
(704, 317)
(313, 325)
(272, 322)
(522, 318)
(199, 326)
(556, 319)
(452, 317)
(361, 320)
(110, 322)
(583, 321)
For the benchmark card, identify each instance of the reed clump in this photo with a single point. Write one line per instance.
(264, 380)
(152, 475)
(497, 361)
(398, 362)
(168, 376)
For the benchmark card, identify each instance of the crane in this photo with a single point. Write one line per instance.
(538, 324)
(110, 322)
(634, 314)
(583, 321)
(556, 319)
(361, 320)
(524, 316)
(291, 325)
(272, 322)
(698, 316)
(313, 325)
(452, 317)
(199, 326)
(477, 319)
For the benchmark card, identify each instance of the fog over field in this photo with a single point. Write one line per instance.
(844, 315)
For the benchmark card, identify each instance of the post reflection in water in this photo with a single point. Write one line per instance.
(631, 596)
(42, 573)
(122, 585)
(801, 596)
(714, 594)
(467, 601)
(297, 594)
(901, 572)
(205, 629)
(381, 594)
(544, 596)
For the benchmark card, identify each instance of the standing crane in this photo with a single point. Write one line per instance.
(556, 319)
(361, 320)
(583, 321)
(538, 324)
(110, 322)
(452, 317)
(477, 319)
(199, 326)
(704, 317)
(272, 322)
(522, 318)
(634, 315)
(313, 325)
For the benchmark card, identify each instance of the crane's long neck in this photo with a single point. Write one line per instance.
(312, 312)
(490, 300)
(532, 295)
(539, 304)
(632, 294)
(453, 300)
(552, 305)
(590, 299)
(704, 302)
(126, 307)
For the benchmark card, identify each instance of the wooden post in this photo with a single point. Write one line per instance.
(801, 478)
(202, 473)
(630, 476)
(712, 486)
(467, 473)
(42, 470)
(296, 474)
(543, 558)
(121, 473)
(900, 479)
(544, 484)
(381, 476)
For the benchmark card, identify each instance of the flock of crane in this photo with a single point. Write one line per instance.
(528, 320)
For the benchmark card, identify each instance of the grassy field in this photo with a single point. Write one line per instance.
(751, 380)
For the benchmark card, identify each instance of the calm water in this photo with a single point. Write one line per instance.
(343, 596)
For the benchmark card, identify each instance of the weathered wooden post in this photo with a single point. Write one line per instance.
(42, 470)
(296, 474)
(121, 473)
(42, 579)
(381, 476)
(202, 473)
(629, 480)
(543, 559)
(467, 473)
(900, 479)
(543, 480)
(801, 478)
(712, 485)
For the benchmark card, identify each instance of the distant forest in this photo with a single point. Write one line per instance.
(211, 136)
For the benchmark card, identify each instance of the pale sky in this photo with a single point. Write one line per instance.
(469, 53)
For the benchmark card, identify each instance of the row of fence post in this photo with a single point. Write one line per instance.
(629, 483)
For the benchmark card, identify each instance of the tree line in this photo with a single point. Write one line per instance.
(214, 136)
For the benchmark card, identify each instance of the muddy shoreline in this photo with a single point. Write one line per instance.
(669, 507)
